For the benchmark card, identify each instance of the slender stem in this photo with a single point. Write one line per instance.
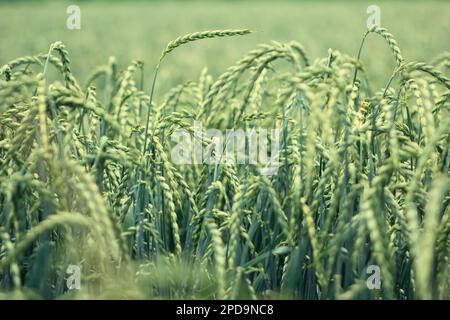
(359, 55)
(149, 109)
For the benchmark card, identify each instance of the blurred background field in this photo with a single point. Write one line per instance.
(138, 30)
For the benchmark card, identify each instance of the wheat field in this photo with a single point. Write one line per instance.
(87, 177)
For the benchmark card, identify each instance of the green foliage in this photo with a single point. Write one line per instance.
(86, 179)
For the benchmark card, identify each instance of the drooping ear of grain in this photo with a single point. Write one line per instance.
(208, 34)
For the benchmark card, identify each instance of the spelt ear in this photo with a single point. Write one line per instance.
(190, 37)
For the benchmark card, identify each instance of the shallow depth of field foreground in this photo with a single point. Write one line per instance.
(92, 204)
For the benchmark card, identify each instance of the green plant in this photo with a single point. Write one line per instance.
(86, 179)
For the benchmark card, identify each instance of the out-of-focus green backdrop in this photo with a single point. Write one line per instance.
(140, 30)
